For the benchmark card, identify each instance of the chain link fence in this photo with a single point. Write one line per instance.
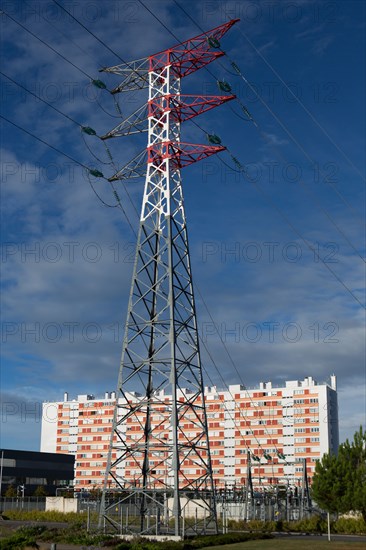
(23, 503)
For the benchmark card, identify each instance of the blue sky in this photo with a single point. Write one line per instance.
(283, 310)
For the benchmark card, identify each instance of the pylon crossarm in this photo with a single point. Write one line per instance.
(185, 58)
(184, 107)
(125, 68)
(134, 124)
(184, 62)
(181, 154)
(135, 75)
(135, 168)
(193, 54)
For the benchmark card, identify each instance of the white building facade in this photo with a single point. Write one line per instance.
(275, 427)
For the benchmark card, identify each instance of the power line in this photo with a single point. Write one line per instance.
(188, 15)
(260, 189)
(172, 33)
(282, 82)
(299, 102)
(88, 31)
(310, 193)
(60, 153)
(85, 52)
(194, 122)
(79, 47)
(41, 99)
(59, 112)
(318, 204)
(308, 245)
(83, 72)
(95, 36)
(238, 73)
(206, 348)
(47, 45)
(94, 81)
(161, 22)
(297, 143)
(44, 142)
(119, 204)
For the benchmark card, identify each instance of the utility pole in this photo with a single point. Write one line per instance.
(305, 496)
(248, 487)
(160, 388)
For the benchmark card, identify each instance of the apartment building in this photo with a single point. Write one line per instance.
(275, 427)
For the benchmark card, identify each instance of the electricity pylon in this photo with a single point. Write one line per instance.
(159, 455)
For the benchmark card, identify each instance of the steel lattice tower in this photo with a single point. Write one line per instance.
(160, 387)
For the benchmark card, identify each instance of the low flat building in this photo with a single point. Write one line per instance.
(26, 471)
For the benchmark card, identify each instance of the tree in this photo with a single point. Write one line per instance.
(40, 491)
(339, 483)
(11, 491)
(328, 484)
(355, 455)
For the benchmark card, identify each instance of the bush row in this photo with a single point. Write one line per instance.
(18, 541)
(193, 543)
(27, 537)
(314, 524)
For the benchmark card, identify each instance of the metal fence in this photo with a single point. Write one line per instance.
(263, 510)
(22, 503)
(124, 516)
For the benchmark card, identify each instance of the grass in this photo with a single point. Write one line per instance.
(37, 515)
(293, 544)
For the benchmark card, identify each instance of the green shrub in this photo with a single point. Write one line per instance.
(69, 535)
(236, 524)
(259, 525)
(314, 524)
(217, 540)
(350, 526)
(35, 531)
(18, 541)
(279, 525)
(194, 543)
